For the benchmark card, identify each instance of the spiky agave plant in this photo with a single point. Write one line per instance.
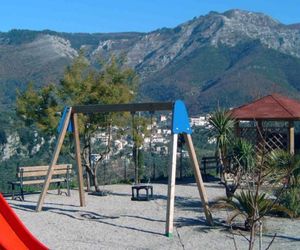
(251, 206)
(244, 154)
(286, 165)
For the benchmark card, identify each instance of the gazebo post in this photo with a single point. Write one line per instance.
(259, 133)
(237, 129)
(291, 137)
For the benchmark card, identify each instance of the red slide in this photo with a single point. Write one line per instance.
(13, 233)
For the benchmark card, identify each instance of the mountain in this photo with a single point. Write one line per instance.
(218, 59)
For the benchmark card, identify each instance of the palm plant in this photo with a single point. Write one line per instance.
(288, 167)
(235, 155)
(291, 200)
(250, 206)
(243, 152)
(222, 125)
(253, 204)
(242, 161)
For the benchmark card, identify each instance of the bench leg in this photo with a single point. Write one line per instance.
(13, 191)
(22, 193)
(58, 188)
(147, 194)
(68, 188)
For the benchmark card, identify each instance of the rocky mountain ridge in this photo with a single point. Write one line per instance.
(202, 60)
(155, 50)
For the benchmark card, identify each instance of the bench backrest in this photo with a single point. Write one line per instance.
(209, 160)
(38, 171)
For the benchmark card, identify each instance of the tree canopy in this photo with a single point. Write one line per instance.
(81, 84)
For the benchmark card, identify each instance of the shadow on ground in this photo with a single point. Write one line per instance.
(201, 224)
(91, 216)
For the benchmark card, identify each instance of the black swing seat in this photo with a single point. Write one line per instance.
(136, 192)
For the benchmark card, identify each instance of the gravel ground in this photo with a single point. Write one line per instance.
(116, 222)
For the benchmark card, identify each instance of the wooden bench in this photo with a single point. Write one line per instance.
(33, 175)
(208, 163)
(136, 192)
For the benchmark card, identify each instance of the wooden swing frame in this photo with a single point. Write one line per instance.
(71, 116)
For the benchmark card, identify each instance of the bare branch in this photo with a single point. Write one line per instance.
(244, 236)
(271, 242)
(234, 241)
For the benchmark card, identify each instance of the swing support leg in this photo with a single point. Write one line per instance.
(198, 178)
(171, 188)
(78, 160)
(53, 161)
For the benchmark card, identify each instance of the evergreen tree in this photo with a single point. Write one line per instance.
(81, 85)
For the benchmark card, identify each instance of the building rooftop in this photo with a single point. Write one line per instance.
(270, 107)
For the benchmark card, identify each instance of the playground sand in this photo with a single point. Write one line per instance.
(116, 222)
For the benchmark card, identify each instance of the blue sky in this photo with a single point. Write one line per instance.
(127, 15)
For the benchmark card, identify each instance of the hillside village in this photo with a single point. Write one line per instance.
(158, 139)
(157, 142)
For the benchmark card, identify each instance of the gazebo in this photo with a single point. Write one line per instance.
(273, 116)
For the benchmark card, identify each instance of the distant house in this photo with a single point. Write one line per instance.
(163, 150)
(118, 144)
(159, 140)
(163, 118)
(95, 158)
(166, 131)
(198, 121)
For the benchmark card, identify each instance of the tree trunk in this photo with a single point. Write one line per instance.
(95, 182)
(181, 162)
(154, 170)
(230, 189)
(135, 159)
(252, 237)
(260, 235)
(125, 170)
(88, 178)
(222, 170)
(89, 170)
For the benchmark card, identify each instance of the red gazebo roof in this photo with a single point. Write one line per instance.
(270, 107)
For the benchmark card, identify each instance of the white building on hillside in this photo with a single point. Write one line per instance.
(198, 121)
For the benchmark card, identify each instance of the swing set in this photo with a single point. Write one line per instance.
(180, 125)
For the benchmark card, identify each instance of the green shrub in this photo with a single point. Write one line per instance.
(291, 200)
